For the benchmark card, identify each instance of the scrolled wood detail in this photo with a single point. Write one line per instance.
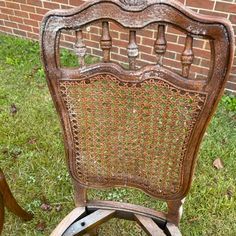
(134, 2)
(80, 48)
(132, 49)
(161, 43)
(187, 56)
(106, 41)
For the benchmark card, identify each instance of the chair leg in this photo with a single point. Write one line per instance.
(1, 213)
(10, 202)
(175, 211)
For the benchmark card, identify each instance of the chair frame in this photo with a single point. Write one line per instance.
(220, 34)
(7, 199)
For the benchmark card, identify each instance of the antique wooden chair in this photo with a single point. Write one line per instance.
(7, 199)
(136, 127)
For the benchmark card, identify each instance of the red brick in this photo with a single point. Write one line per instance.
(231, 86)
(7, 11)
(51, 5)
(35, 30)
(213, 13)
(25, 27)
(36, 17)
(16, 19)
(2, 3)
(12, 5)
(97, 52)
(27, 8)
(75, 2)
(31, 22)
(4, 17)
(21, 14)
(118, 57)
(232, 78)
(65, 6)
(171, 38)
(10, 24)
(19, 32)
(226, 7)
(145, 49)
(41, 11)
(206, 4)
(37, 3)
(21, 1)
(33, 36)
(232, 18)
(63, 1)
(148, 57)
(5, 29)
(175, 65)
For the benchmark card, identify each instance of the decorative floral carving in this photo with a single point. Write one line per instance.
(134, 2)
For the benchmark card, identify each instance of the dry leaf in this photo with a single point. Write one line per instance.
(58, 208)
(46, 207)
(40, 226)
(13, 109)
(229, 193)
(218, 164)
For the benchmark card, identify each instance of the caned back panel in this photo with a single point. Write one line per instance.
(133, 134)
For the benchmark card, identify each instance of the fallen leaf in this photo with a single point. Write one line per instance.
(40, 226)
(13, 109)
(218, 164)
(46, 207)
(229, 193)
(32, 141)
(191, 220)
(58, 207)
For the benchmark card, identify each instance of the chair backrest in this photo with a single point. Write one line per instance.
(138, 127)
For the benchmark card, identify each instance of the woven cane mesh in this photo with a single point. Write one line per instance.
(133, 134)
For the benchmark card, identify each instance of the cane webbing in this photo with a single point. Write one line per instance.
(133, 134)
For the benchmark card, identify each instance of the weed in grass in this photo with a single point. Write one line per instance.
(32, 156)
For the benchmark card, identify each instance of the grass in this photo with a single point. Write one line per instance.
(32, 156)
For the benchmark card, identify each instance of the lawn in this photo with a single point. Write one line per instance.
(32, 157)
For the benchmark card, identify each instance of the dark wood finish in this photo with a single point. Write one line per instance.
(161, 43)
(89, 222)
(149, 226)
(106, 41)
(80, 47)
(172, 230)
(1, 213)
(142, 105)
(132, 49)
(175, 211)
(7, 200)
(187, 56)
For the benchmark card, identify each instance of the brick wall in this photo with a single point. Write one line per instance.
(22, 18)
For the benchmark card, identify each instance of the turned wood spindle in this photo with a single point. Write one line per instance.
(80, 48)
(132, 49)
(187, 56)
(161, 43)
(106, 41)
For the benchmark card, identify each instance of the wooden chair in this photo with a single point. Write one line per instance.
(7, 199)
(136, 127)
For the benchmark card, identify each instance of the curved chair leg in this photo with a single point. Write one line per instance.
(1, 213)
(10, 202)
(175, 211)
